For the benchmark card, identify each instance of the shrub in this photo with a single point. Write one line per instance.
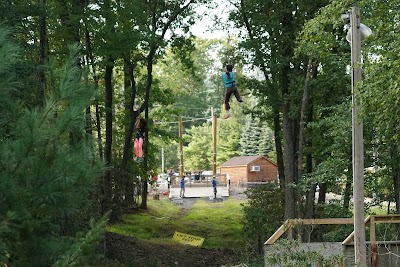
(331, 233)
(263, 214)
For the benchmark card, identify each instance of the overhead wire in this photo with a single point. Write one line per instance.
(229, 46)
(190, 120)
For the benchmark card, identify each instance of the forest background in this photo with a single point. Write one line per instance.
(77, 74)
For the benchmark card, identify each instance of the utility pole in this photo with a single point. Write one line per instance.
(357, 140)
(214, 127)
(180, 146)
(162, 159)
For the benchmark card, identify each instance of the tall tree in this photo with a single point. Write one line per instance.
(43, 51)
(255, 138)
(43, 179)
(163, 17)
(379, 77)
(376, 74)
(273, 40)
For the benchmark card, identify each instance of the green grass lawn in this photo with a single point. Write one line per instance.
(219, 223)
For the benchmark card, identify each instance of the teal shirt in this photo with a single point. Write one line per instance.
(228, 82)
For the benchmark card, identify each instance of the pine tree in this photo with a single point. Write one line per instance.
(245, 138)
(256, 138)
(45, 182)
(255, 135)
(266, 144)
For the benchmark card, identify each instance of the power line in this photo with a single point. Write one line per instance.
(182, 107)
(191, 119)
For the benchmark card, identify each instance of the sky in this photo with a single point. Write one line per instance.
(201, 28)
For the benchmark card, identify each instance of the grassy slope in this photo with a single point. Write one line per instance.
(219, 223)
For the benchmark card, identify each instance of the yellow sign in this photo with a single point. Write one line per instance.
(193, 240)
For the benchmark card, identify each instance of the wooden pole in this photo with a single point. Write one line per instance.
(214, 126)
(357, 140)
(162, 160)
(180, 146)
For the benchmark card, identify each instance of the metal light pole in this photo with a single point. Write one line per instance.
(357, 136)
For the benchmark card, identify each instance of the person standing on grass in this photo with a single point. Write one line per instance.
(214, 184)
(182, 193)
(229, 81)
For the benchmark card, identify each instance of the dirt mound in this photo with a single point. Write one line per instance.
(134, 252)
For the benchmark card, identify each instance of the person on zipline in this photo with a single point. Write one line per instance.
(229, 81)
(140, 126)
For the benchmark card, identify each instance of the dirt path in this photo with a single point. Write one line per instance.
(129, 251)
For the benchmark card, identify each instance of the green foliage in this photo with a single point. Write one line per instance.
(330, 137)
(228, 137)
(263, 214)
(77, 255)
(385, 232)
(197, 89)
(324, 38)
(48, 177)
(289, 253)
(256, 139)
(331, 233)
(190, 87)
(198, 154)
(380, 87)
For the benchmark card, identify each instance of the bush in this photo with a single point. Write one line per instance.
(263, 214)
(289, 253)
(331, 233)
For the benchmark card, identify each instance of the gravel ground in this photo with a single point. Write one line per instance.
(186, 203)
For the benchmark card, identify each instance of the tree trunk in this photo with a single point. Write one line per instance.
(130, 85)
(347, 194)
(396, 183)
(278, 145)
(107, 192)
(130, 92)
(301, 138)
(322, 192)
(302, 119)
(70, 20)
(146, 142)
(284, 54)
(43, 46)
(288, 164)
(96, 84)
(311, 200)
(310, 210)
(347, 189)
